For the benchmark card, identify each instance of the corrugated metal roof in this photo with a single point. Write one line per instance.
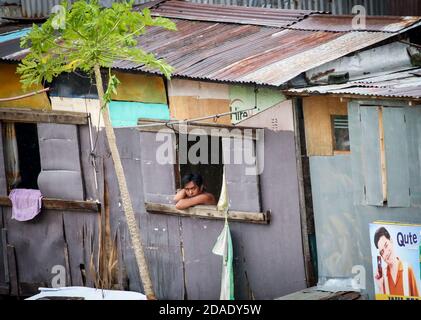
(404, 84)
(9, 47)
(10, 34)
(230, 14)
(345, 23)
(246, 53)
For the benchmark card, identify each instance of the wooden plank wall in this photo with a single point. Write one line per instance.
(397, 158)
(317, 122)
(190, 99)
(178, 249)
(54, 238)
(268, 259)
(140, 88)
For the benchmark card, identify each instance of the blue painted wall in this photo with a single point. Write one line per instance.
(126, 114)
(343, 211)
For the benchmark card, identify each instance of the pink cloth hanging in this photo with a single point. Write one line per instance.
(26, 203)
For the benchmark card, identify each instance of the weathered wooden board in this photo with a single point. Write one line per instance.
(39, 246)
(13, 271)
(202, 274)
(265, 254)
(4, 265)
(3, 180)
(160, 233)
(82, 242)
(354, 125)
(241, 173)
(318, 123)
(90, 106)
(58, 204)
(140, 87)
(192, 99)
(61, 175)
(397, 161)
(90, 181)
(371, 164)
(413, 127)
(208, 212)
(37, 116)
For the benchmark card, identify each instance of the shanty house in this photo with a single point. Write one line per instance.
(362, 138)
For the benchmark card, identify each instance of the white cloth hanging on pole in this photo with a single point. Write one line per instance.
(223, 247)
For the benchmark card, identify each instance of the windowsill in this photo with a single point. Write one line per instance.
(340, 152)
(209, 212)
(59, 204)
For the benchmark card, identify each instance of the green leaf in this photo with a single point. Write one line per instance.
(93, 36)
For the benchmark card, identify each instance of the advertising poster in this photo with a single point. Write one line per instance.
(396, 260)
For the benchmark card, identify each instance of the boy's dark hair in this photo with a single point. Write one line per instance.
(195, 177)
(380, 233)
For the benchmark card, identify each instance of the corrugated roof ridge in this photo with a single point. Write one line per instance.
(295, 17)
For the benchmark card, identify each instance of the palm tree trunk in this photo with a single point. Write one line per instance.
(124, 192)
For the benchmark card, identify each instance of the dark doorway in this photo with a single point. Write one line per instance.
(211, 172)
(29, 158)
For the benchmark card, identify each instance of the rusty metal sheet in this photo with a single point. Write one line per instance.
(333, 23)
(9, 47)
(222, 52)
(404, 84)
(278, 73)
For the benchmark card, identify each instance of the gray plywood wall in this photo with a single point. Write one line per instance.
(342, 213)
(268, 259)
(53, 238)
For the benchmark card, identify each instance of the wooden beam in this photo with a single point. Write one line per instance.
(209, 212)
(13, 271)
(35, 116)
(209, 129)
(64, 205)
(4, 253)
(382, 155)
(304, 219)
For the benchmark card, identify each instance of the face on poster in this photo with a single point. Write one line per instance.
(396, 260)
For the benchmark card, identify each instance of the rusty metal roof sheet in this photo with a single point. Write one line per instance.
(248, 53)
(9, 47)
(230, 14)
(345, 23)
(401, 85)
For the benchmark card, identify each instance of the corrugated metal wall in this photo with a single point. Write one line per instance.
(404, 8)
